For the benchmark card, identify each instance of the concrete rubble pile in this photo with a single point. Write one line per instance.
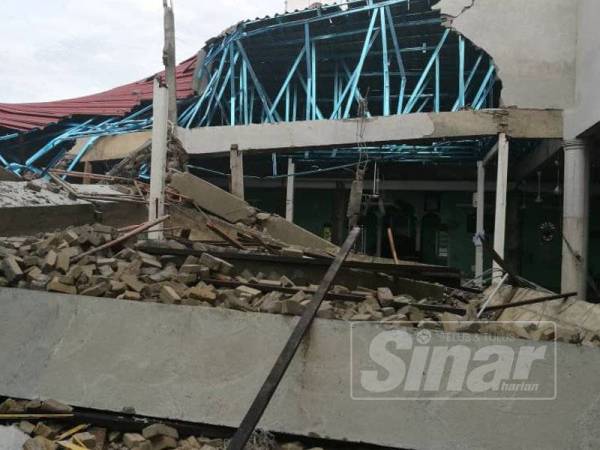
(54, 262)
(50, 262)
(66, 432)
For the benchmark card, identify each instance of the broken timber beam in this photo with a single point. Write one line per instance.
(287, 354)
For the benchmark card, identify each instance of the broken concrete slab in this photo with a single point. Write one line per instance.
(52, 211)
(214, 199)
(57, 346)
(290, 233)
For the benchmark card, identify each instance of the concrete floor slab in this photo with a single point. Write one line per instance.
(205, 365)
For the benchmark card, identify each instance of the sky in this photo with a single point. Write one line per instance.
(56, 49)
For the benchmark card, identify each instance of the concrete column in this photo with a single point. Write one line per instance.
(169, 59)
(501, 189)
(575, 218)
(479, 229)
(289, 192)
(156, 206)
(236, 164)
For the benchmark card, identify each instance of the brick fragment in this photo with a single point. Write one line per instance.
(215, 264)
(132, 282)
(12, 269)
(39, 443)
(50, 261)
(163, 443)
(56, 286)
(385, 296)
(169, 295)
(159, 429)
(54, 406)
(86, 438)
(98, 290)
(134, 440)
(247, 291)
(202, 292)
(63, 261)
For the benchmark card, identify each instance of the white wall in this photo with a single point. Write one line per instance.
(533, 44)
(586, 112)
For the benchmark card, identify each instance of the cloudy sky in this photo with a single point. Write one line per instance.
(55, 49)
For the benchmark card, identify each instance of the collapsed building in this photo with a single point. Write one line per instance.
(456, 134)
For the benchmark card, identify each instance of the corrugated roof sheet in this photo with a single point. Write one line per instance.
(114, 102)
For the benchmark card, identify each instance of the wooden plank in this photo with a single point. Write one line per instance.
(266, 392)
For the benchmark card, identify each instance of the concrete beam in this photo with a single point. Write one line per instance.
(516, 123)
(410, 127)
(205, 365)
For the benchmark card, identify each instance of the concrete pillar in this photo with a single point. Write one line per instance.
(575, 218)
(479, 229)
(289, 191)
(156, 206)
(236, 165)
(501, 189)
(169, 59)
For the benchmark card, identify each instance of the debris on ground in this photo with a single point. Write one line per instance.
(34, 433)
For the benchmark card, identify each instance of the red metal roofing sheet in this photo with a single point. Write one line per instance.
(114, 102)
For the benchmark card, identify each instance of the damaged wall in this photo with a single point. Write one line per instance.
(533, 44)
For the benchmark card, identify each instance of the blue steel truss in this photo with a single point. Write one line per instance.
(371, 58)
(366, 58)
